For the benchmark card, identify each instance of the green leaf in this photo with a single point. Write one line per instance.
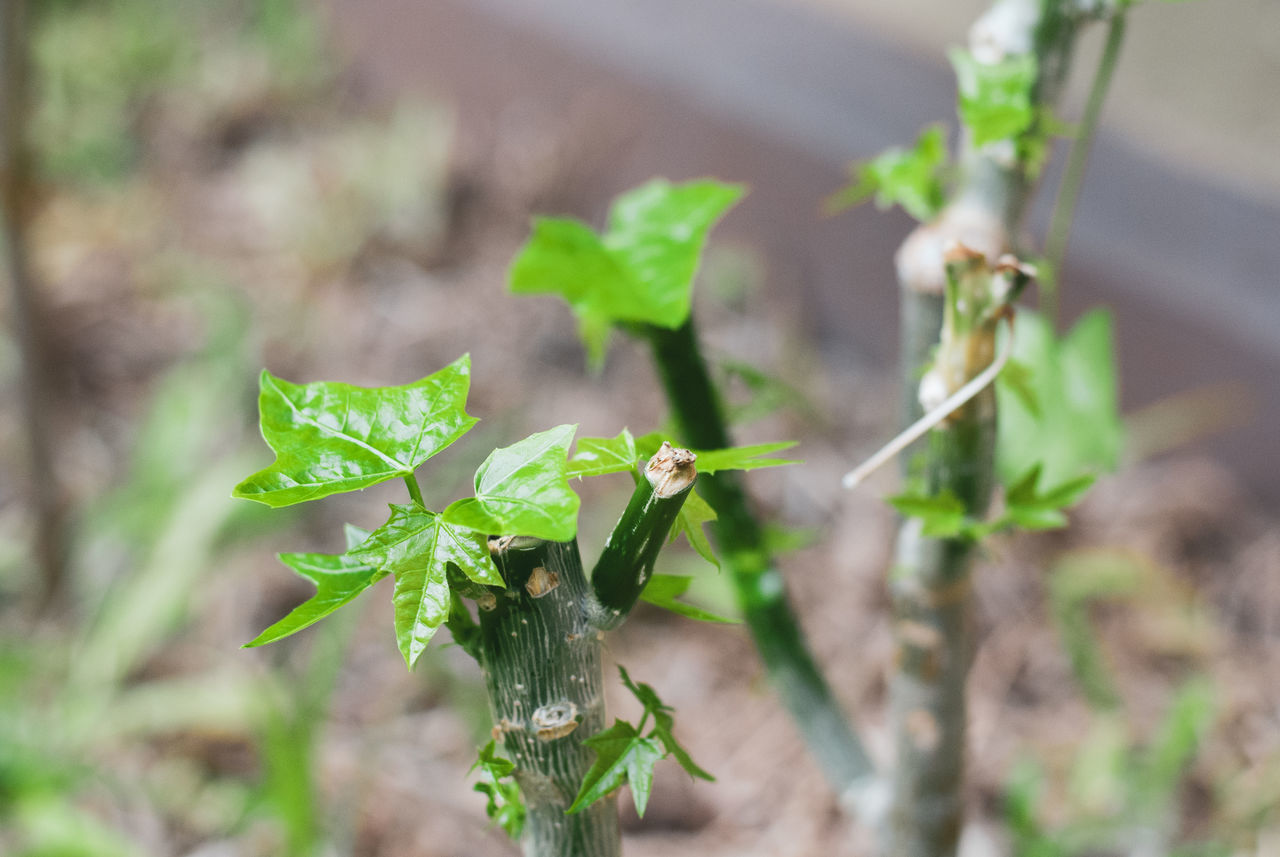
(911, 178)
(995, 98)
(622, 755)
(523, 490)
(743, 457)
(596, 456)
(1016, 379)
(943, 514)
(767, 394)
(567, 258)
(693, 515)
(503, 802)
(331, 437)
(1029, 509)
(1074, 380)
(418, 546)
(641, 270)
(662, 591)
(664, 723)
(657, 232)
(338, 579)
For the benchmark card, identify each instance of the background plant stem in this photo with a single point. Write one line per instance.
(38, 387)
(1064, 209)
(929, 581)
(757, 582)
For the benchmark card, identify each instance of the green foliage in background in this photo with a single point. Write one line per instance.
(641, 269)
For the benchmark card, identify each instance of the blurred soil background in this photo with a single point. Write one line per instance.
(217, 189)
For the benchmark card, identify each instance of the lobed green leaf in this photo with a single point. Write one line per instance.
(596, 456)
(523, 490)
(912, 178)
(1074, 383)
(694, 514)
(331, 437)
(640, 270)
(504, 804)
(995, 98)
(338, 579)
(743, 457)
(943, 514)
(418, 546)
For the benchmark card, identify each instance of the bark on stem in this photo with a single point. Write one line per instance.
(929, 583)
(758, 585)
(543, 671)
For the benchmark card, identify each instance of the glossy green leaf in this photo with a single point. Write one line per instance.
(567, 258)
(743, 457)
(912, 178)
(640, 270)
(995, 98)
(523, 490)
(504, 803)
(622, 756)
(657, 232)
(694, 515)
(596, 456)
(331, 437)
(417, 546)
(1074, 380)
(662, 590)
(338, 579)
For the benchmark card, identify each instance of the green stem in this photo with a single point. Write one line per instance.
(757, 582)
(1064, 209)
(929, 582)
(415, 491)
(542, 665)
(626, 563)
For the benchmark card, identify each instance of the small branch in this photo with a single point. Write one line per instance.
(626, 563)
(1064, 209)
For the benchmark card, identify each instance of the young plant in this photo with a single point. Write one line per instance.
(511, 550)
(638, 276)
(954, 289)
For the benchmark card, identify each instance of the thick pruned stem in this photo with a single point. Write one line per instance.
(542, 664)
(758, 584)
(930, 580)
(626, 563)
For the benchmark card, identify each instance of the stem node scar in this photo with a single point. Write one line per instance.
(541, 582)
(555, 720)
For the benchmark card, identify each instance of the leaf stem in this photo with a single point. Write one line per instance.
(1064, 208)
(411, 481)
